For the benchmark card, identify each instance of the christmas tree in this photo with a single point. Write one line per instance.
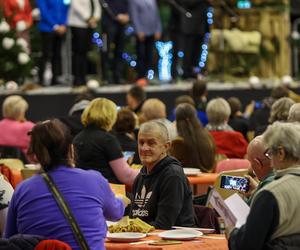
(15, 62)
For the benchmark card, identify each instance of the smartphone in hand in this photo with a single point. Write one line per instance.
(234, 183)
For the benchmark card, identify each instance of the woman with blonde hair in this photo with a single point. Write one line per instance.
(14, 126)
(97, 148)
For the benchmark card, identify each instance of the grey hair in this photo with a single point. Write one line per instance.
(294, 113)
(218, 111)
(156, 126)
(280, 109)
(286, 135)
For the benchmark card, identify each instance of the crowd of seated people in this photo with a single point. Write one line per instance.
(82, 166)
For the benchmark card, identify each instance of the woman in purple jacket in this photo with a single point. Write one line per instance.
(33, 209)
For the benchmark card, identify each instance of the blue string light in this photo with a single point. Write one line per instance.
(150, 74)
(204, 53)
(97, 40)
(129, 30)
(165, 60)
(164, 51)
(130, 59)
(244, 4)
(180, 54)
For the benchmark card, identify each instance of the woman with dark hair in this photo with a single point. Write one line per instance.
(124, 131)
(33, 208)
(194, 147)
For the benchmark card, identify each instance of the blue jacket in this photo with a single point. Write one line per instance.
(53, 12)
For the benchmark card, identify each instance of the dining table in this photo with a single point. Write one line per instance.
(205, 242)
(201, 181)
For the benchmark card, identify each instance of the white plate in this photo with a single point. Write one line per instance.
(180, 234)
(191, 171)
(125, 237)
(203, 230)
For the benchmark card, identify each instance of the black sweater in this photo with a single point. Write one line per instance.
(163, 197)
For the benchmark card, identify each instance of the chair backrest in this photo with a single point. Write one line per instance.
(27, 172)
(224, 192)
(206, 217)
(232, 164)
(12, 163)
(52, 245)
(12, 152)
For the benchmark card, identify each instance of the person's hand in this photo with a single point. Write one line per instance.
(123, 18)
(60, 29)
(125, 200)
(141, 36)
(63, 29)
(92, 22)
(252, 186)
(157, 35)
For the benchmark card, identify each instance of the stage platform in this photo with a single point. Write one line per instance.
(49, 102)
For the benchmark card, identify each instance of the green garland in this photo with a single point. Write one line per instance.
(15, 63)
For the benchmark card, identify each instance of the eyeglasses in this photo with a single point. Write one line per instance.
(268, 153)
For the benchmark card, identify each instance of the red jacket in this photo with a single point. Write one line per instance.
(230, 143)
(14, 13)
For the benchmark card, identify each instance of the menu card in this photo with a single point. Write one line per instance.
(233, 210)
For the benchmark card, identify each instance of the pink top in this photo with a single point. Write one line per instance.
(14, 133)
(123, 172)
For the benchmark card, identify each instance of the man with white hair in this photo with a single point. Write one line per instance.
(162, 194)
(260, 164)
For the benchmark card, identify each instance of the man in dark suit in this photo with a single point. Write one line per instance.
(115, 17)
(193, 30)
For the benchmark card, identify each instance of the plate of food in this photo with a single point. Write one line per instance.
(203, 230)
(191, 171)
(125, 236)
(130, 225)
(180, 234)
